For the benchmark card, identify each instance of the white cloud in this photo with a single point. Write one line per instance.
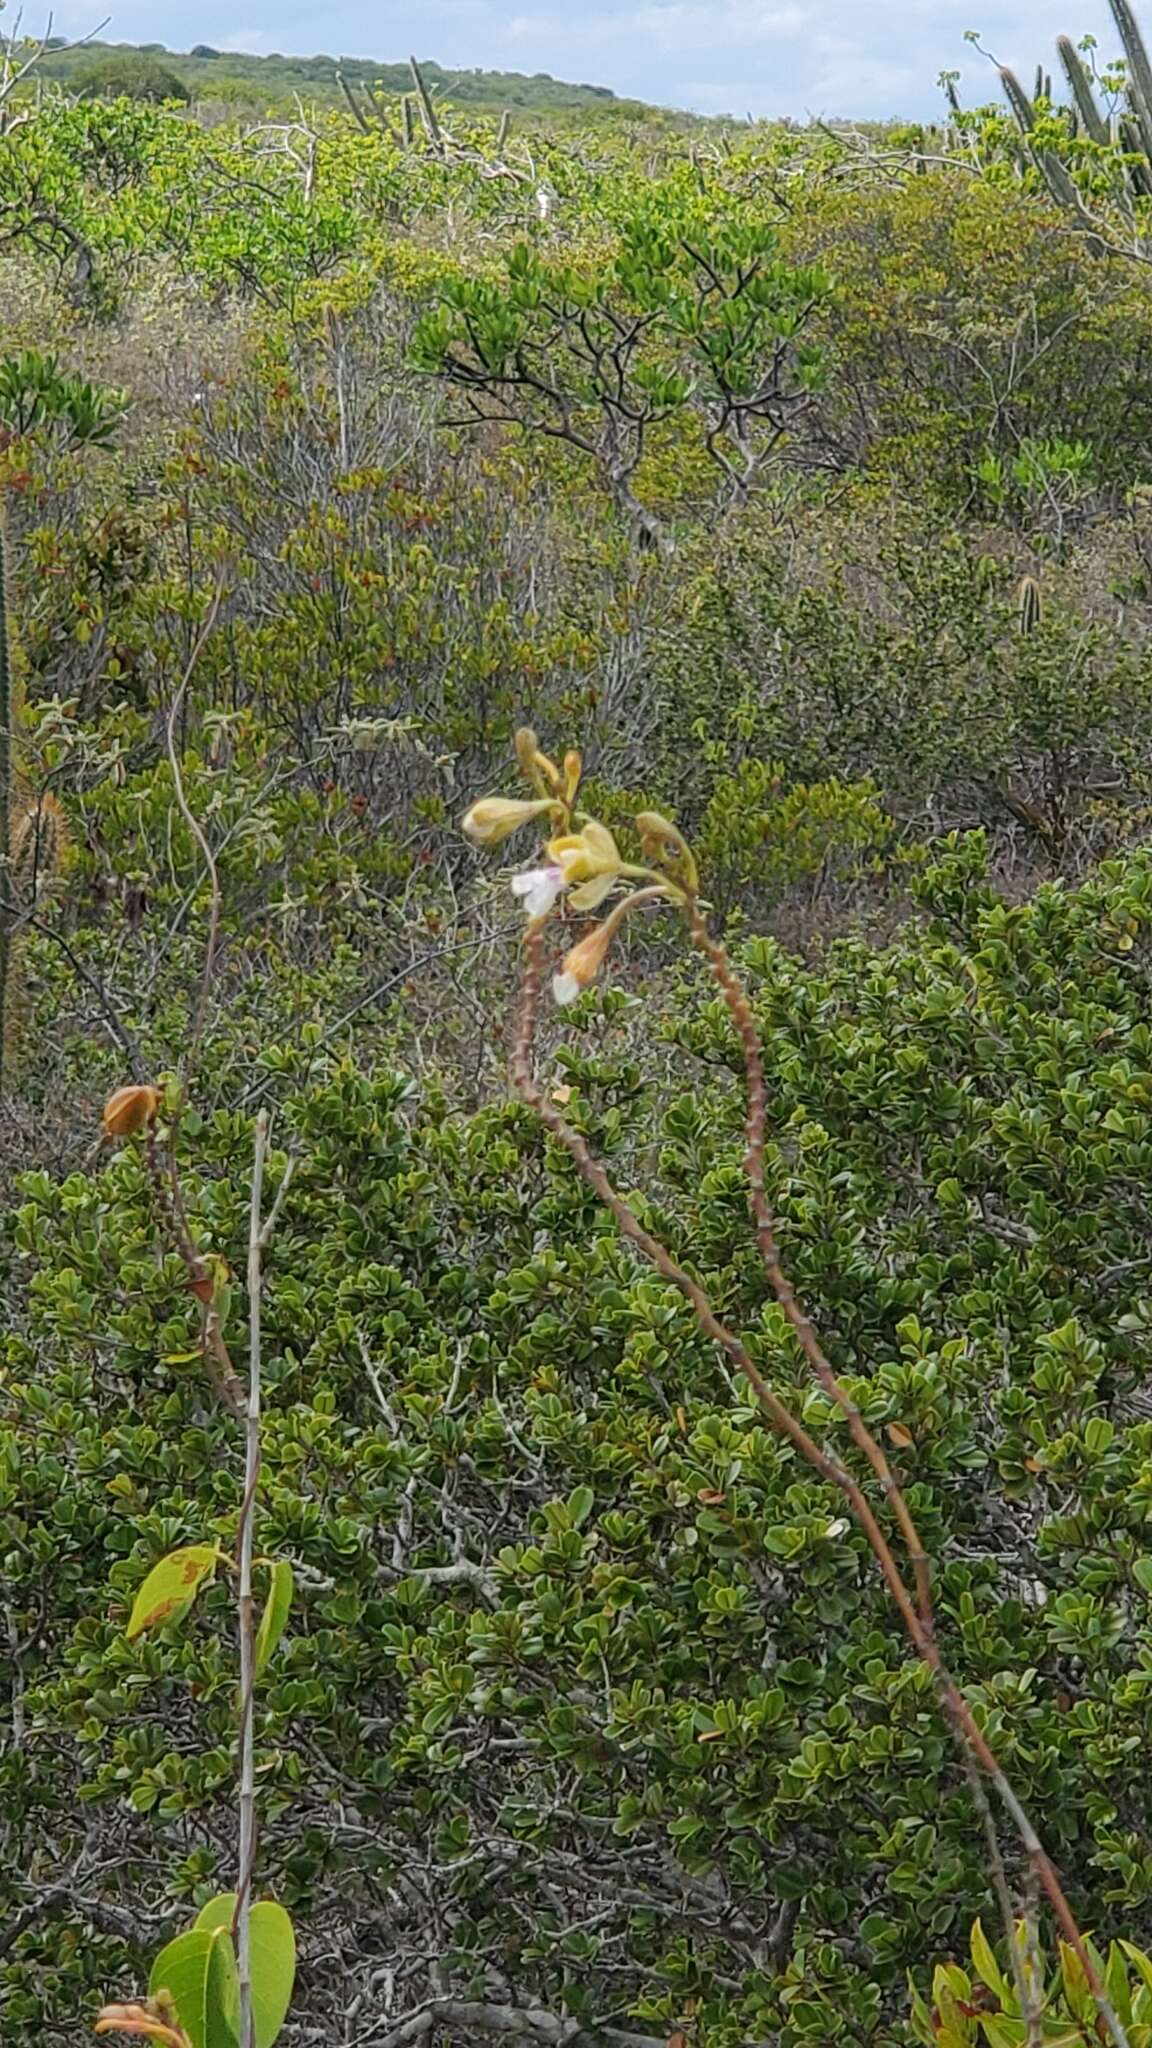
(827, 57)
(738, 56)
(247, 42)
(681, 23)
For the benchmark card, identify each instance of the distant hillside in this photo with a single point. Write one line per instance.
(228, 74)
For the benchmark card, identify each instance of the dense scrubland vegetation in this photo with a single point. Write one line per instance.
(799, 483)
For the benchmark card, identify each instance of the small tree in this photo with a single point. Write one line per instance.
(688, 317)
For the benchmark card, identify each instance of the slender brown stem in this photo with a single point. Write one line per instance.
(195, 828)
(740, 1012)
(169, 1202)
(966, 1730)
(1025, 1989)
(788, 1424)
(246, 1610)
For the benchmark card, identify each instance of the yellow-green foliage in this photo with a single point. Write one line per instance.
(963, 320)
(761, 831)
(989, 2005)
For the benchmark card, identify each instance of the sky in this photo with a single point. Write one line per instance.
(830, 58)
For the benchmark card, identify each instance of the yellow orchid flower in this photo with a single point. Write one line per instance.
(590, 862)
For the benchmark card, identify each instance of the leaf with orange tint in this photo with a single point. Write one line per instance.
(172, 1585)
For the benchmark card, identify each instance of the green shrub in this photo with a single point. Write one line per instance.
(567, 1611)
(967, 318)
(884, 643)
(589, 1706)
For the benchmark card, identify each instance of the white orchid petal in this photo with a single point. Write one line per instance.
(565, 988)
(538, 889)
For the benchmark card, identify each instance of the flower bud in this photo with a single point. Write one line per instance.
(542, 773)
(496, 817)
(664, 843)
(527, 747)
(129, 1109)
(140, 2019)
(656, 829)
(582, 964)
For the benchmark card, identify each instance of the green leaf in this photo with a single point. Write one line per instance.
(1004, 2033)
(277, 1607)
(1081, 2003)
(1141, 1962)
(198, 1970)
(172, 1585)
(273, 1960)
(580, 1505)
(1117, 1987)
(1142, 1573)
(985, 1965)
(921, 2017)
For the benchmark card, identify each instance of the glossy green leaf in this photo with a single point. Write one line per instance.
(273, 1959)
(1141, 1962)
(1004, 2033)
(277, 1607)
(198, 1970)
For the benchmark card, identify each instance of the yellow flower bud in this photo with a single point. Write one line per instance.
(582, 964)
(140, 2019)
(129, 1109)
(653, 827)
(527, 747)
(496, 817)
(664, 843)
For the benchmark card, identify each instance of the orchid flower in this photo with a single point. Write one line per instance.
(591, 862)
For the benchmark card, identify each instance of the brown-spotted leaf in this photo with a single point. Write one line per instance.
(172, 1585)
